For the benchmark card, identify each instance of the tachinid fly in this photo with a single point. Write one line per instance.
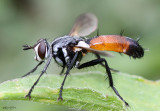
(69, 50)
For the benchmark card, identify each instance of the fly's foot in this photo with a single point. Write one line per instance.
(60, 98)
(28, 96)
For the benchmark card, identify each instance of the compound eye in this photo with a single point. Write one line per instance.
(42, 49)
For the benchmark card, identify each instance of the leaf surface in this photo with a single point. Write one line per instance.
(85, 91)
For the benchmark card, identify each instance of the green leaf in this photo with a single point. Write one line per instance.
(85, 91)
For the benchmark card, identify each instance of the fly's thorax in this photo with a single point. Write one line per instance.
(63, 48)
(61, 56)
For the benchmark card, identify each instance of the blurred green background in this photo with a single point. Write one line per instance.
(25, 21)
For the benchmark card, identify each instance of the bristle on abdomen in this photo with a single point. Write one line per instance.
(135, 50)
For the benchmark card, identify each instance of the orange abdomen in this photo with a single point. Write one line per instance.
(117, 43)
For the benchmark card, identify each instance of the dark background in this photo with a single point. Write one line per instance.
(26, 21)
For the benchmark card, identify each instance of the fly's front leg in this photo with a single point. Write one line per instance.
(43, 71)
(34, 69)
(99, 61)
(69, 67)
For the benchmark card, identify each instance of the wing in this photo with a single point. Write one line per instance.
(103, 53)
(84, 25)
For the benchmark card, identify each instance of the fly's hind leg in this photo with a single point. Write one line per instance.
(99, 61)
(114, 70)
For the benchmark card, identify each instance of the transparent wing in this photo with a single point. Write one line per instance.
(103, 53)
(84, 25)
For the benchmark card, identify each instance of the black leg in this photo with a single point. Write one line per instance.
(69, 67)
(98, 61)
(43, 71)
(114, 70)
(62, 71)
(34, 69)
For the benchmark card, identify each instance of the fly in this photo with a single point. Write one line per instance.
(68, 50)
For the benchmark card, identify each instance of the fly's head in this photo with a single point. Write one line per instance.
(41, 49)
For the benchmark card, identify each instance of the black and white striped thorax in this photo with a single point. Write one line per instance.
(63, 48)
